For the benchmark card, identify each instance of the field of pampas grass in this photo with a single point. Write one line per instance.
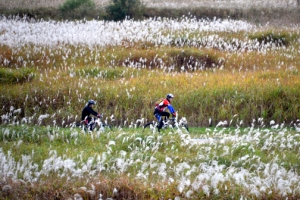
(236, 83)
(216, 68)
(52, 162)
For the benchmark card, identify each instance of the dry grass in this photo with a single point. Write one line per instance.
(250, 84)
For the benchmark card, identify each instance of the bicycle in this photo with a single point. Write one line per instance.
(94, 124)
(170, 123)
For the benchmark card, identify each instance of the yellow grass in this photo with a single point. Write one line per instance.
(251, 83)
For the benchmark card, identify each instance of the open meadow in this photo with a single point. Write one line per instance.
(236, 83)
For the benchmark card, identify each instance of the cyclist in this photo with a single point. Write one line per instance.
(87, 112)
(160, 108)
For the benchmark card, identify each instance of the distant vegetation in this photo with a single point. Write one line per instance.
(118, 9)
(76, 8)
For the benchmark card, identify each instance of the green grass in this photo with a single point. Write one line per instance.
(13, 76)
(279, 39)
(39, 143)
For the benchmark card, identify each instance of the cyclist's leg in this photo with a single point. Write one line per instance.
(159, 119)
(91, 124)
(166, 114)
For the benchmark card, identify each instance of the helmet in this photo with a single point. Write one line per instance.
(170, 96)
(91, 102)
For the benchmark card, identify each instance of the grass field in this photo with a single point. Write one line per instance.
(217, 69)
(51, 162)
(236, 83)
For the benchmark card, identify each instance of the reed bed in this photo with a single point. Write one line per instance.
(126, 66)
(241, 79)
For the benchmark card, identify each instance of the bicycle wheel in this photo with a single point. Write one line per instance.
(181, 125)
(103, 127)
(148, 125)
(107, 126)
(186, 127)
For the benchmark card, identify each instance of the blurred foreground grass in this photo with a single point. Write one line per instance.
(135, 164)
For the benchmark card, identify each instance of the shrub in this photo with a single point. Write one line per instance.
(185, 59)
(78, 8)
(120, 9)
(8, 76)
(278, 39)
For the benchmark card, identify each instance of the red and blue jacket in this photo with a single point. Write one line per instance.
(163, 105)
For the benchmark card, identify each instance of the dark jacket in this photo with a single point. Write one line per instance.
(86, 112)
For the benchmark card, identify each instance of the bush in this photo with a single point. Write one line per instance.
(120, 9)
(78, 8)
(278, 39)
(185, 59)
(8, 76)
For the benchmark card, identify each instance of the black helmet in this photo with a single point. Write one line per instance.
(170, 96)
(91, 102)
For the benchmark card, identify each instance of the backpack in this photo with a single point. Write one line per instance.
(159, 101)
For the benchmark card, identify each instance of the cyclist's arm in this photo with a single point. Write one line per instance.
(172, 110)
(92, 111)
